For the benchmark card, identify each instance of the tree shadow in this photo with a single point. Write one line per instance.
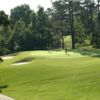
(28, 59)
(3, 87)
(13, 54)
(88, 52)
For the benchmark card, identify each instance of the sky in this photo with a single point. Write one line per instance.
(7, 5)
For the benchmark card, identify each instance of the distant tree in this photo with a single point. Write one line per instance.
(33, 22)
(43, 29)
(22, 38)
(4, 19)
(80, 32)
(27, 41)
(21, 12)
(5, 32)
(17, 36)
(54, 37)
(65, 13)
(58, 18)
(71, 18)
(96, 35)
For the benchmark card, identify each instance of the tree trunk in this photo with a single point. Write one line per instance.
(62, 38)
(98, 4)
(72, 29)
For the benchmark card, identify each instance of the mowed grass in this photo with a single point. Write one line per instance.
(52, 76)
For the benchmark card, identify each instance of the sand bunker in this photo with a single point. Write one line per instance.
(20, 63)
(3, 97)
(23, 61)
(7, 57)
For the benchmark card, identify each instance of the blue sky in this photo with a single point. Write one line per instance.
(6, 5)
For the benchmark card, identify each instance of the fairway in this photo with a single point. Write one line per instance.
(52, 76)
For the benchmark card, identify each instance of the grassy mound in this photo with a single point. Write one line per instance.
(52, 76)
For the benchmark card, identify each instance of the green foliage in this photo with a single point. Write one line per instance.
(4, 19)
(96, 35)
(22, 12)
(80, 32)
(5, 33)
(21, 38)
(29, 30)
(44, 30)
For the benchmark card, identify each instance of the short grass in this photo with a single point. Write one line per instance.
(52, 76)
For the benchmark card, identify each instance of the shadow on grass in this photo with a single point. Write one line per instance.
(25, 60)
(13, 54)
(3, 87)
(88, 52)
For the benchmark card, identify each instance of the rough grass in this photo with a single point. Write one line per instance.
(52, 76)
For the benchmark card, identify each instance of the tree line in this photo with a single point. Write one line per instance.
(26, 29)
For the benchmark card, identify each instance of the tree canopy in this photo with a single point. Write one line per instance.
(26, 29)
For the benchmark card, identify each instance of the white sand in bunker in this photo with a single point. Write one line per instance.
(7, 57)
(20, 63)
(3, 97)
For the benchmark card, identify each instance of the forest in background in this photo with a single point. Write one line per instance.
(26, 29)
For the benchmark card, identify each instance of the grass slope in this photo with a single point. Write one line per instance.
(53, 76)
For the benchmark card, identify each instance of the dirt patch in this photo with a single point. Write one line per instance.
(3, 97)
